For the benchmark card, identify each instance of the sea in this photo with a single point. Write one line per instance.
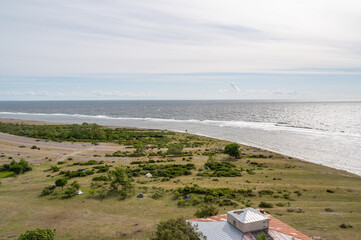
(327, 133)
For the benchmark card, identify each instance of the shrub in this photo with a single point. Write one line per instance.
(265, 205)
(265, 192)
(54, 168)
(61, 182)
(17, 167)
(120, 182)
(48, 190)
(38, 234)
(34, 147)
(175, 149)
(328, 210)
(158, 193)
(221, 169)
(330, 191)
(102, 169)
(101, 178)
(206, 211)
(71, 191)
(77, 173)
(232, 150)
(175, 229)
(343, 225)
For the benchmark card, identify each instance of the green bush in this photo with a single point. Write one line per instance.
(175, 149)
(343, 225)
(220, 169)
(77, 173)
(38, 234)
(330, 191)
(206, 211)
(17, 167)
(61, 182)
(48, 190)
(101, 178)
(176, 229)
(158, 193)
(265, 205)
(232, 150)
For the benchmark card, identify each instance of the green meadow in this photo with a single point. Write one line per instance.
(187, 171)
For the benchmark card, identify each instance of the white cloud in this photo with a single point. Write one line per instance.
(78, 37)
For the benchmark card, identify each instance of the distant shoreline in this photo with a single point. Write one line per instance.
(34, 122)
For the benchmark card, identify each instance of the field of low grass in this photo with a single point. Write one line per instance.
(314, 199)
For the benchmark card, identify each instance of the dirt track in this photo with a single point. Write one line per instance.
(10, 147)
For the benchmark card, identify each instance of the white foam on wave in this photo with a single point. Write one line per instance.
(234, 124)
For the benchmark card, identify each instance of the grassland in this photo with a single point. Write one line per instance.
(298, 188)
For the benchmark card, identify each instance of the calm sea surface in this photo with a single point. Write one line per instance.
(327, 133)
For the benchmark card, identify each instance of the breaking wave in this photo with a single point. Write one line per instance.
(280, 126)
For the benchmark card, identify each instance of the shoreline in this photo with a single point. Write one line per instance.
(330, 169)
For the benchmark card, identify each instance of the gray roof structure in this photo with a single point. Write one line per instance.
(249, 215)
(218, 230)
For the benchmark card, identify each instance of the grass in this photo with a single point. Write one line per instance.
(83, 217)
(6, 174)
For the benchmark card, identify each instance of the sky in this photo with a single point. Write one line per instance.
(199, 49)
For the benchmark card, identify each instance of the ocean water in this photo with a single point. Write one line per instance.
(327, 133)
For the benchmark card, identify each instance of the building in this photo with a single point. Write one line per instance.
(246, 224)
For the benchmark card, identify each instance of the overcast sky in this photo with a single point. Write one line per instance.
(199, 49)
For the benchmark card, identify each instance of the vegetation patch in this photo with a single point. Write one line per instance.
(220, 169)
(163, 170)
(77, 173)
(16, 167)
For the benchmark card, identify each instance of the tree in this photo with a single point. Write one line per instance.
(206, 211)
(120, 182)
(38, 234)
(232, 150)
(61, 182)
(175, 149)
(139, 148)
(177, 229)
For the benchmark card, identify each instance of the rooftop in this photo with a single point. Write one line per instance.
(248, 215)
(217, 228)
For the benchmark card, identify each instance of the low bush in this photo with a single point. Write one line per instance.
(159, 192)
(176, 229)
(265, 205)
(206, 211)
(77, 173)
(17, 167)
(220, 169)
(38, 234)
(48, 190)
(101, 178)
(344, 225)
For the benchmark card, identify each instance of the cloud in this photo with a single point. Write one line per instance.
(234, 86)
(25, 93)
(120, 94)
(89, 37)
